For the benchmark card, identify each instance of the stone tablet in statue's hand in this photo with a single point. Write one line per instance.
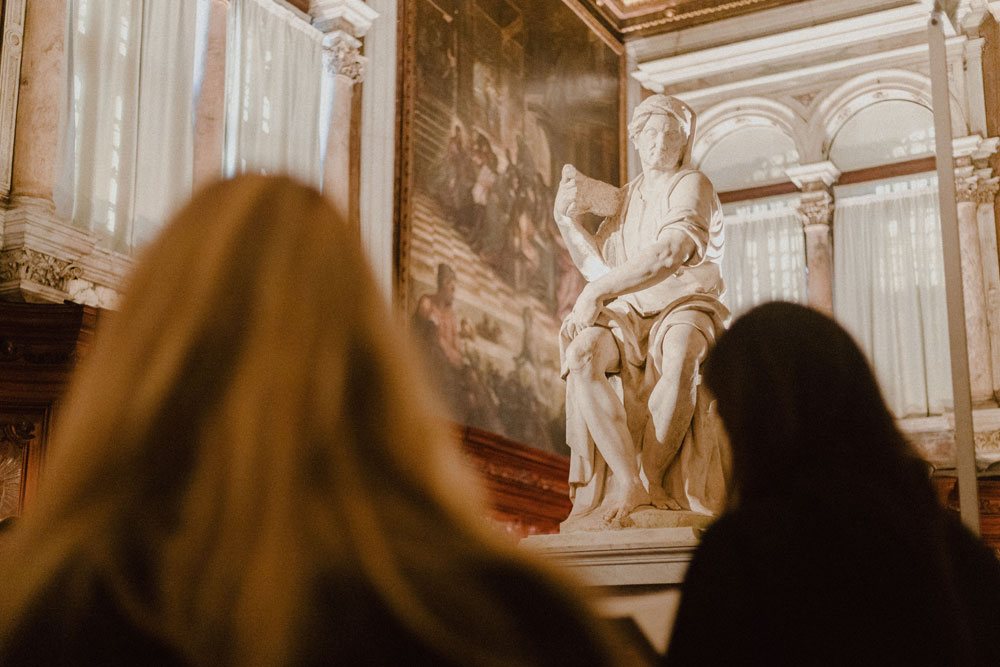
(583, 194)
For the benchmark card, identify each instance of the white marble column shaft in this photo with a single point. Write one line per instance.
(344, 59)
(36, 136)
(973, 189)
(210, 114)
(816, 212)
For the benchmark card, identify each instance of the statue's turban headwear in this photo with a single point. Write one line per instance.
(664, 105)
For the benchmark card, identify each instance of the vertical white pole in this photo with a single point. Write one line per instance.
(965, 449)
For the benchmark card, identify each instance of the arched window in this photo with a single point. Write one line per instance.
(888, 286)
(764, 258)
(883, 133)
(749, 157)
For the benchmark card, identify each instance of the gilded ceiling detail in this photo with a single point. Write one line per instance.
(633, 18)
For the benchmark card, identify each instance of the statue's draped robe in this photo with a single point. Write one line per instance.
(696, 478)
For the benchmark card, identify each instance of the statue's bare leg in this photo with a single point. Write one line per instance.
(590, 357)
(672, 404)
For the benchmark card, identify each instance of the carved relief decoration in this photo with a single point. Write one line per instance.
(342, 56)
(816, 208)
(976, 188)
(15, 435)
(641, 17)
(24, 264)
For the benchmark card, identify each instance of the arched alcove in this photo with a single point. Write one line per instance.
(881, 133)
(750, 156)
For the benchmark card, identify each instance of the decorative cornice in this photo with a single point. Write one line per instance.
(32, 225)
(342, 56)
(815, 176)
(351, 16)
(974, 148)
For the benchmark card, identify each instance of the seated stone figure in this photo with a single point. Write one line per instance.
(641, 428)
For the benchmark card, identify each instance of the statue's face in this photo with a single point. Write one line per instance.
(661, 143)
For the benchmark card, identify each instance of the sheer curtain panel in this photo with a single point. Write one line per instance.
(889, 293)
(127, 140)
(765, 257)
(274, 92)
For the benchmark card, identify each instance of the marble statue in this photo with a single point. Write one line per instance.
(642, 430)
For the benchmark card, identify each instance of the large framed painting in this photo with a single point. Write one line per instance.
(496, 95)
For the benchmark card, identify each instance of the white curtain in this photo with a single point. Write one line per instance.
(274, 92)
(889, 293)
(127, 141)
(765, 258)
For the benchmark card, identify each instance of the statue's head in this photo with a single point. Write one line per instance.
(663, 115)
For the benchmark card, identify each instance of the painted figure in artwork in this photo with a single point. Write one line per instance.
(641, 428)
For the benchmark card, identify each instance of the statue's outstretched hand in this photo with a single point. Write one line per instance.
(567, 202)
(585, 312)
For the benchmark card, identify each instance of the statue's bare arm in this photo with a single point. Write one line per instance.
(661, 258)
(655, 263)
(568, 210)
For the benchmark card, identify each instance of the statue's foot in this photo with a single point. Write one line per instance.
(618, 506)
(659, 498)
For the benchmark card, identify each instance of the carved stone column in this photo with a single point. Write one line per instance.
(975, 188)
(36, 137)
(345, 62)
(345, 22)
(209, 123)
(816, 212)
(10, 85)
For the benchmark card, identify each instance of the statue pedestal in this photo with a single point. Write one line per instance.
(633, 572)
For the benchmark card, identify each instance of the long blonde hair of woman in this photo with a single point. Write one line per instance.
(249, 418)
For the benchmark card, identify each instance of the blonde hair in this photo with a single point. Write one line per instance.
(250, 420)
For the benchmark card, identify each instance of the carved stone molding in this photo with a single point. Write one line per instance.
(38, 243)
(352, 16)
(816, 208)
(976, 185)
(24, 264)
(342, 56)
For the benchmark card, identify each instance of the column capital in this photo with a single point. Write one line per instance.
(976, 185)
(351, 16)
(815, 176)
(816, 208)
(342, 56)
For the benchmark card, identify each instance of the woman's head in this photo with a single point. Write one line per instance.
(250, 417)
(799, 399)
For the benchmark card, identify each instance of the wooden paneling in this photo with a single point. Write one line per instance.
(989, 506)
(39, 345)
(528, 488)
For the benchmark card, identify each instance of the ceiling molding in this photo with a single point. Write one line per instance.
(631, 19)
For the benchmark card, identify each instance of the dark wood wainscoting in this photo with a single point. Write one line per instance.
(989, 505)
(39, 345)
(528, 488)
